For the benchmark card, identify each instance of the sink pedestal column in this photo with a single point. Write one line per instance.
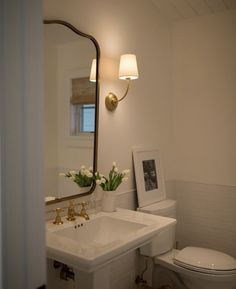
(99, 279)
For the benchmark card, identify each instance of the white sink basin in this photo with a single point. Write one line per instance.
(100, 232)
(87, 245)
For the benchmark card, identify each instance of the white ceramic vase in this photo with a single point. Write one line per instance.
(109, 201)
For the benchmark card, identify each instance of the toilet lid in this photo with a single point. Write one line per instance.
(206, 260)
(158, 207)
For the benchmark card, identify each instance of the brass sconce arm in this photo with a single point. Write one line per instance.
(112, 100)
(128, 71)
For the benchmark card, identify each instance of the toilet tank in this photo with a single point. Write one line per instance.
(165, 239)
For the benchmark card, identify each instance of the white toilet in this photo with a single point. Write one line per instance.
(191, 267)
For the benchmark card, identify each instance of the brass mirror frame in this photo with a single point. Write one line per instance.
(95, 149)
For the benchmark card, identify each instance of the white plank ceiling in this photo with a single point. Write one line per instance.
(182, 9)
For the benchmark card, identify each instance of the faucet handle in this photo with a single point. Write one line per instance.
(83, 212)
(58, 220)
(71, 212)
(83, 205)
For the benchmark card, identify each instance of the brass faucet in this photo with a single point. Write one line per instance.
(83, 212)
(58, 220)
(71, 212)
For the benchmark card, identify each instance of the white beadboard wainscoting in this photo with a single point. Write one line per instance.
(206, 216)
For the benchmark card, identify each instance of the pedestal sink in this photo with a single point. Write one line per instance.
(89, 246)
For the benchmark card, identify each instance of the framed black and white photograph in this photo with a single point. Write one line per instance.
(149, 176)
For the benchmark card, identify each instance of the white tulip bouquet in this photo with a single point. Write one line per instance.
(83, 177)
(114, 179)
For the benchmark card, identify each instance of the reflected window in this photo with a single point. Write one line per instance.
(82, 106)
(87, 118)
(82, 118)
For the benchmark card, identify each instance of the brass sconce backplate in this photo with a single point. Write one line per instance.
(111, 101)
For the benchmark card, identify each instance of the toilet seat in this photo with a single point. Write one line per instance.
(205, 261)
(206, 271)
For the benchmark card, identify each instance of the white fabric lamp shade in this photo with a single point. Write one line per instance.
(93, 71)
(128, 67)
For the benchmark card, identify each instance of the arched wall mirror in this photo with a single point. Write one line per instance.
(71, 108)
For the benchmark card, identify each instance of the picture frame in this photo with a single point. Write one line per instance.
(149, 176)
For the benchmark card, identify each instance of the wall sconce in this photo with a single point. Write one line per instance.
(128, 71)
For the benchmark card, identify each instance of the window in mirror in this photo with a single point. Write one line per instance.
(82, 106)
(82, 119)
(87, 117)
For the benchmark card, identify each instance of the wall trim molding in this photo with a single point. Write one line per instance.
(126, 192)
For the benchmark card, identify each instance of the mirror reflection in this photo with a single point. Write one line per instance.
(70, 108)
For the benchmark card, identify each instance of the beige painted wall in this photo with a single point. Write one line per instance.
(204, 74)
(144, 118)
(196, 128)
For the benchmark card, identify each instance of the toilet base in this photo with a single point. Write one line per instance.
(165, 278)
